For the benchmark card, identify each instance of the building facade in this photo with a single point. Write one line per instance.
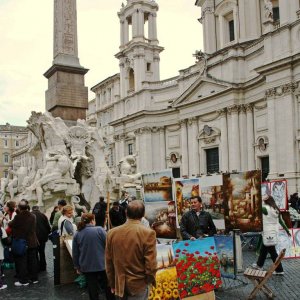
(236, 108)
(12, 138)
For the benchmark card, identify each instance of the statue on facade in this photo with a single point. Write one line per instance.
(268, 10)
(127, 169)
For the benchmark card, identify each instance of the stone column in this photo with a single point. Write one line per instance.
(137, 150)
(122, 31)
(122, 146)
(234, 147)
(224, 140)
(221, 30)
(146, 149)
(117, 148)
(141, 23)
(194, 147)
(243, 138)
(154, 29)
(150, 26)
(126, 32)
(184, 148)
(135, 24)
(250, 137)
(162, 147)
(272, 137)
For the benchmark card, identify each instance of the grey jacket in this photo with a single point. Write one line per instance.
(88, 249)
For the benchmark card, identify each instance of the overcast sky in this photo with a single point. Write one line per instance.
(26, 35)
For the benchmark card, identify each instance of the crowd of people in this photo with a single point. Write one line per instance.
(100, 240)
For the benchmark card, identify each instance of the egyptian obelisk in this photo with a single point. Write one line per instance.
(67, 96)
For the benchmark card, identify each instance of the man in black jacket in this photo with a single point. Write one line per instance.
(196, 223)
(42, 231)
(99, 211)
(117, 215)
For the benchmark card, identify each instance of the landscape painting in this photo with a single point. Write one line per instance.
(225, 250)
(197, 266)
(160, 208)
(242, 201)
(184, 190)
(212, 198)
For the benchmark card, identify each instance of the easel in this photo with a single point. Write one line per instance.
(107, 186)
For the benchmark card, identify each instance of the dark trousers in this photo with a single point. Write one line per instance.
(264, 250)
(95, 282)
(27, 266)
(41, 256)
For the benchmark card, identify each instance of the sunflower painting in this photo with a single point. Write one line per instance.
(166, 276)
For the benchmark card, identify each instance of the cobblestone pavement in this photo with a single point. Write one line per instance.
(286, 287)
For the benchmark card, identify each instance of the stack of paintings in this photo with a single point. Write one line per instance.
(242, 201)
(184, 190)
(159, 203)
(197, 266)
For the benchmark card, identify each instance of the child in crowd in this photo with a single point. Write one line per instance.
(3, 236)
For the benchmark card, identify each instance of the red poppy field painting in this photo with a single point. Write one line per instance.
(197, 266)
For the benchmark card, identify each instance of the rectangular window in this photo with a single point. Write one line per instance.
(231, 30)
(276, 15)
(212, 160)
(265, 167)
(17, 143)
(130, 149)
(148, 67)
(176, 172)
(6, 158)
(5, 174)
(5, 143)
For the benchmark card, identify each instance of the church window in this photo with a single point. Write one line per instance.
(6, 158)
(265, 168)
(231, 30)
(146, 25)
(212, 160)
(5, 143)
(5, 173)
(130, 149)
(17, 143)
(129, 21)
(131, 80)
(148, 67)
(275, 10)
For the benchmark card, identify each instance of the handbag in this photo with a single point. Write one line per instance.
(270, 238)
(19, 247)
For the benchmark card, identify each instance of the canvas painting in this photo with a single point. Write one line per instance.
(296, 237)
(166, 276)
(225, 250)
(159, 204)
(184, 190)
(197, 266)
(212, 198)
(285, 241)
(279, 193)
(242, 201)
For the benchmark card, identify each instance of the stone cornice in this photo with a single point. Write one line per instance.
(68, 69)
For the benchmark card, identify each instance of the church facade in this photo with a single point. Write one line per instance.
(237, 108)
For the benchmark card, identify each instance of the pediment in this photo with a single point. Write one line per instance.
(200, 89)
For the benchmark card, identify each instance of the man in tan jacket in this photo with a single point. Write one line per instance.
(131, 256)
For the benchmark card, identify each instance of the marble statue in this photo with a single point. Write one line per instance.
(268, 10)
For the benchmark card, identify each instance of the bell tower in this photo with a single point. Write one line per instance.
(67, 96)
(139, 49)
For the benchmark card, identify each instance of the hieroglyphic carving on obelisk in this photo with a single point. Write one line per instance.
(65, 50)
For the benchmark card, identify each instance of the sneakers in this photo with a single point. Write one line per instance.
(4, 286)
(255, 266)
(18, 283)
(278, 273)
